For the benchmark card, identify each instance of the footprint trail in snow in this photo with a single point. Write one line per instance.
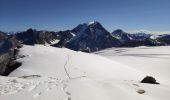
(36, 88)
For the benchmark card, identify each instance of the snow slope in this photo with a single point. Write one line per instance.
(154, 61)
(50, 61)
(61, 74)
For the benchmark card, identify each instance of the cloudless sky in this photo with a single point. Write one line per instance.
(19, 15)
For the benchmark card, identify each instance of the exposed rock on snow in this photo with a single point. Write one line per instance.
(150, 80)
(141, 91)
(8, 52)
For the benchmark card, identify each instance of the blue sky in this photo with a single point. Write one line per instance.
(129, 15)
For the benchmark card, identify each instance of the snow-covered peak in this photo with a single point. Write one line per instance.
(92, 22)
(82, 27)
(154, 36)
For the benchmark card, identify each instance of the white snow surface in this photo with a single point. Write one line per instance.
(49, 73)
(154, 61)
(92, 22)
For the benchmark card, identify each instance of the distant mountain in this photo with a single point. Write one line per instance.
(165, 38)
(121, 35)
(91, 37)
(140, 36)
(31, 37)
(136, 39)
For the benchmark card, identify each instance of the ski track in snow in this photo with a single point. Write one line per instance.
(66, 68)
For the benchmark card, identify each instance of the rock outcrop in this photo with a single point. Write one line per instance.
(8, 51)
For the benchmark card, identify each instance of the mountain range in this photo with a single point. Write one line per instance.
(90, 37)
(86, 37)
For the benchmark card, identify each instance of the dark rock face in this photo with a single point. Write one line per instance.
(91, 37)
(150, 80)
(164, 39)
(80, 28)
(64, 37)
(11, 67)
(31, 37)
(8, 46)
(2, 35)
(4, 60)
(121, 35)
(27, 37)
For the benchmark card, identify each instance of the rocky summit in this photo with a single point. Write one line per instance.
(90, 37)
